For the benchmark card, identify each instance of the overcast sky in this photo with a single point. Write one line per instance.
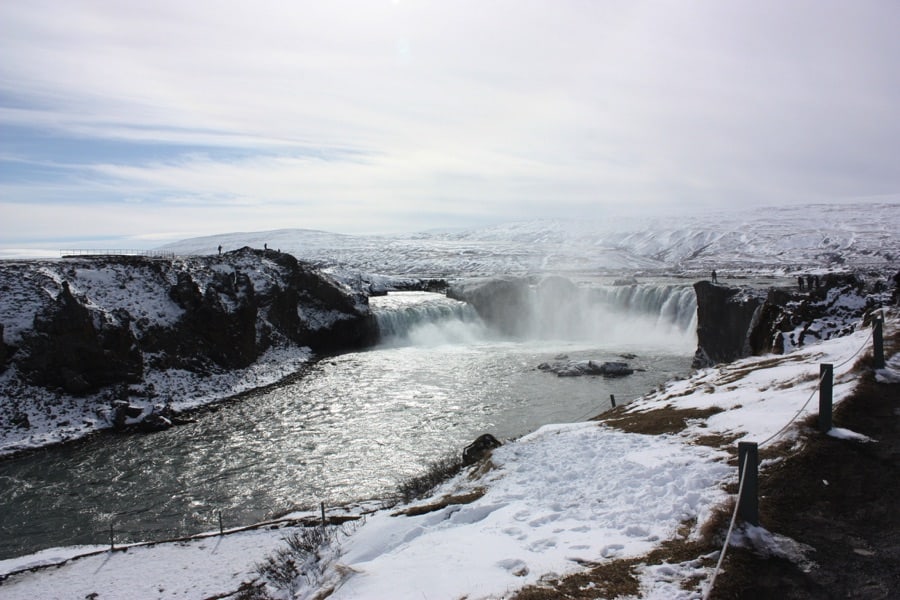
(143, 122)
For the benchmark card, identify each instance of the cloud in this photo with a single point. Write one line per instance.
(353, 115)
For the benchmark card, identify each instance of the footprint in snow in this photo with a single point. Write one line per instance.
(542, 545)
(611, 550)
(514, 566)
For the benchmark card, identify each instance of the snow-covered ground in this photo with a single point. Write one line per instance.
(551, 501)
(814, 238)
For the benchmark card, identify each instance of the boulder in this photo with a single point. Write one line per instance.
(576, 368)
(480, 448)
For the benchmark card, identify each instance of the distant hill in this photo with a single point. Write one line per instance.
(815, 237)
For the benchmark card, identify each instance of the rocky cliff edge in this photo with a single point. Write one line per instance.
(95, 331)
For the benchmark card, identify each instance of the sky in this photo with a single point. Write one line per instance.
(134, 124)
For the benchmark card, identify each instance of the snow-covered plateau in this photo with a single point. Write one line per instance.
(741, 243)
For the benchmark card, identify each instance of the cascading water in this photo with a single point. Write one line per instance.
(672, 306)
(427, 319)
(655, 315)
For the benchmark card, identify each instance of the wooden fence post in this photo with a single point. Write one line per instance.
(612, 398)
(112, 538)
(826, 385)
(748, 507)
(878, 342)
(221, 529)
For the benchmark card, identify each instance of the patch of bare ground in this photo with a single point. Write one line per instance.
(838, 497)
(655, 422)
(734, 373)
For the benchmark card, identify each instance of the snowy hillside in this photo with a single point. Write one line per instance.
(743, 241)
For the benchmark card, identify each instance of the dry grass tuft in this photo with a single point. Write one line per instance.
(444, 502)
(656, 422)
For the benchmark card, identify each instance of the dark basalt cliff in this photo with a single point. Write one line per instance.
(725, 319)
(102, 322)
(733, 323)
(502, 303)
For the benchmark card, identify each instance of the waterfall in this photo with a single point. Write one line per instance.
(672, 306)
(556, 309)
(425, 318)
(654, 314)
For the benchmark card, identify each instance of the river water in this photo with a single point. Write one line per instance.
(353, 426)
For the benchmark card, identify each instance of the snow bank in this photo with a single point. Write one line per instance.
(563, 495)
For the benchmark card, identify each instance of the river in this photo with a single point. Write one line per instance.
(353, 426)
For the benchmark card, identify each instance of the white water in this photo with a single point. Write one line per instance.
(352, 427)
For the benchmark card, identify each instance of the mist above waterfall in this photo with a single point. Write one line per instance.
(632, 316)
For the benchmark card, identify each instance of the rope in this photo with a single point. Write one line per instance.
(861, 348)
(816, 389)
(737, 505)
(797, 414)
(712, 580)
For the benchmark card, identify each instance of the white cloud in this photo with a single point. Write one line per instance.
(422, 108)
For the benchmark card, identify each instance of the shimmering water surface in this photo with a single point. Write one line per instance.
(351, 428)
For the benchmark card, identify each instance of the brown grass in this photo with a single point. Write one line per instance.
(656, 422)
(444, 502)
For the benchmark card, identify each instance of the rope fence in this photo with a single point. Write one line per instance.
(747, 451)
(305, 521)
(86, 252)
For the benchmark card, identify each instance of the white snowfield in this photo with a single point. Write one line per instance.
(814, 238)
(555, 499)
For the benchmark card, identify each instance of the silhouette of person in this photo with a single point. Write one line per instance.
(800, 282)
(715, 279)
(220, 248)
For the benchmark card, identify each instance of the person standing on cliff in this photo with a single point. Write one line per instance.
(715, 279)
(800, 282)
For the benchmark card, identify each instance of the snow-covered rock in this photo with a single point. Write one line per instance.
(82, 333)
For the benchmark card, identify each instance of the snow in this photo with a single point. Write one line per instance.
(192, 569)
(184, 390)
(891, 371)
(812, 239)
(551, 501)
(563, 494)
(846, 434)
